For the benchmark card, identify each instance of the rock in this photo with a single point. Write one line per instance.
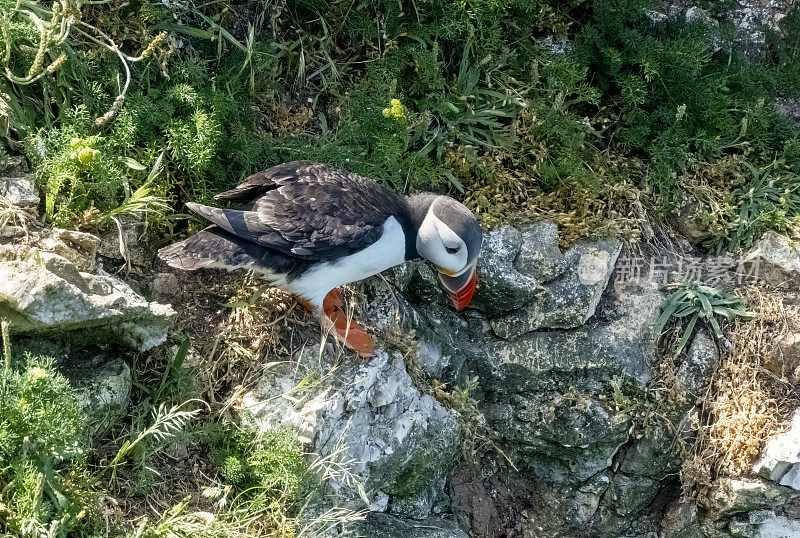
(741, 495)
(20, 190)
(780, 457)
(134, 235)
(776, 526)
(622, 345)
(754, 18)
(401, 442)
(78, 247)
(696, 370)
(778, 259)
(166, 285)
(539, 255)
(571, 299)
(48, 293)
(378, 525)
(628, 494)
(689, 224)
(653, 457)
(789, 109)
(502, 286)
(103, 388)
(581, 507)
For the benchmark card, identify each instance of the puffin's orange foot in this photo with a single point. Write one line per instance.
(352, 333)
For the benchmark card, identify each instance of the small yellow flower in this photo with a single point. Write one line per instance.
(396, 111)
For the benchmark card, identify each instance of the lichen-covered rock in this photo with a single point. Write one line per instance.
(17, 186)
(46, 292)
(742, 495)
(780, 457)
(778, 259)
(133, 232)
(623, 345)
(401, 442)
(569, 300)
(698, 366)
(502, 286)
(652, 456)
(539, 255)
(103, 388)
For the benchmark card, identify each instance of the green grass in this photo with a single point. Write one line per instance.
(486, 111)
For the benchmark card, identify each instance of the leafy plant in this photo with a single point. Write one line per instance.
(697, 302)
(770, 200)
(40, 439)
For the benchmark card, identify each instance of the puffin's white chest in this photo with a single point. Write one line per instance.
(386, 252)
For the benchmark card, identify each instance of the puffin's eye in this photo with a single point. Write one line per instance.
(452, 250)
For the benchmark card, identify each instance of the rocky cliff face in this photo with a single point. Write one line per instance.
(562, 434)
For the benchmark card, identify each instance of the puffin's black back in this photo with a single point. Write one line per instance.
(296, 214)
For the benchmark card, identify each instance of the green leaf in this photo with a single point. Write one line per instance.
(132, 163)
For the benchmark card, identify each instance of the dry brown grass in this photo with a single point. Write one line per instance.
(748, 396)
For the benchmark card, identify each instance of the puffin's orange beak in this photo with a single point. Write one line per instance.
(460, 288)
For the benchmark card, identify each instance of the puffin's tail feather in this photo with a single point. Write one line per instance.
(211, 247)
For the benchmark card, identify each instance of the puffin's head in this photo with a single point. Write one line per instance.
(450, 237)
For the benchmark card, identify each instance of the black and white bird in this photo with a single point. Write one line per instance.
(309, 228)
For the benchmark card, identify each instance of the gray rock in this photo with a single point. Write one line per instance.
(134, 237)
(687, 221)
(789, 109)
(571, 299)
(378, 525)
(581, 506)
(20, 190)
(696, 370)
(653, 457)
(539, 255)
(628, 494)
(400, 442)
(103, 389)
(48, 293)
(777, 526)
(502, 286)
(79, 248)
(624, 345)
(780, 457)
(742, 495)
(778, 259)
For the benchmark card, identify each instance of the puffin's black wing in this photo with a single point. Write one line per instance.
(307, 210)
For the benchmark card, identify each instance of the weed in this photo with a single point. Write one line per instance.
(40, 431)
(698, 302)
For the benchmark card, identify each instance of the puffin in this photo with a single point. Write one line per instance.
(309, 228)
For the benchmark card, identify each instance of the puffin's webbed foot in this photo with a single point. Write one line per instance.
(352, 333)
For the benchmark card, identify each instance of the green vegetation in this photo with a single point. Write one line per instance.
(463, 97)
(40, 451)
(697, 302)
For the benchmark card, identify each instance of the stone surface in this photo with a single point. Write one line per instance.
(687, 221)
(134, 238)
(378, 525)
(698, 366)
(778, 259)
(19, 190)
(103, 388)
(571, 299)
(400, 442)
(620, 345)
(502, 287)
(48, 293)
(539, 255)
(741, 495)
(780, 457)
